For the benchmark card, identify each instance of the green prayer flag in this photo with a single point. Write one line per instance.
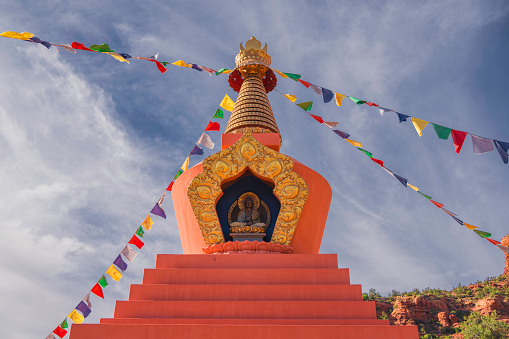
(482, 234)
(442, 132)
(140, 232)
(165, 63)
(222, 70)
(178, 174)
(103, 281)
(358, 101)
(101, 48)
(424, 195)
(219, 114)
(295, 77)
(369, 154)
(64, 324)
(306, 105)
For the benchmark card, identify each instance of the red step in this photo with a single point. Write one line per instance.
(245, 321)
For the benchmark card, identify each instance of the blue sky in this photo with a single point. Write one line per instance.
(88, 144)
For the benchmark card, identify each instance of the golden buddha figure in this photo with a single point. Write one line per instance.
(249, 217)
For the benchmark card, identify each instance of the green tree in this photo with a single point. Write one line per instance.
(477, 326)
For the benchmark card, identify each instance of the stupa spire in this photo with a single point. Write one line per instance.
(253, 79)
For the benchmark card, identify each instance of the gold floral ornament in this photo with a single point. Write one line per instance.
(205, 189)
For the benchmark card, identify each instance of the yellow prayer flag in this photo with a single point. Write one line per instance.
(290, 97)
(355, 143)
(117, 56)
(339, 98)
(413, 187)
(419, 125)
(147, 223)
(227, 103)
(16, 35)
(181, 63)
(76, 317)
(114, 273)
(185, 165)
(280, 73)
(470, 227)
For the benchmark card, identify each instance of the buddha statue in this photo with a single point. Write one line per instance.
(249, 218)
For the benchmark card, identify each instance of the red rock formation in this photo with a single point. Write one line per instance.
(443, 318)
(505, 242)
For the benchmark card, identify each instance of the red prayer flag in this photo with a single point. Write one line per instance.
(437, 204)
(170, 186)
(317, 118)
(380, 162)
(136, 242)
(305, 83)
(459, 138)
(97, 290)
(78, 45)
(372, 104)
(213, 126)
(60, 331)
(160, 66)
(494, 242)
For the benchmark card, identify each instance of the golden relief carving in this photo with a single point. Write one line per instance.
(205, 189)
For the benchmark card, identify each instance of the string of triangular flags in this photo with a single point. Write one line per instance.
(480, 144)
(119, 265)
(306, 106)
(105, 48)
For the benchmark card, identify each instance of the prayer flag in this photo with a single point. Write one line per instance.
(330, 124)
(209, 70)
(97, 290)
(402, 180)
(380, 162)
(60, 332)
(178, 174)
(136, 242)
(114, 273)
(280, 73)
(103, 282)
(86, 300)
(357, 101)
(413, 187)
(482, 234)
(181, 63)
(227, 103)
(372, 104)
(442, 132)
(419, 125)
(482, 145)
(158, 209)
(76, 317)
(196, 150)
(147, 223)
(402, 117)
(503, 248)
(83, 308)
(295, 77)
(355, 143)
(494, 242)
(39, 41)
(384, 110)
(317, 89)
(51, 336)
(67, 47)
(219, 114)
(437, 204)
(424, 195)
(459, 138)
(159, 65)
(457, 220)
(117, 56)
(306, 105)
(16, 35)
(317, 118)
(129, 253)
(223, 70)
(139, 232)
(369, 154)
(342, 134)
(205, 141)
(290, 97)
(388, 171)
(339, 98)
(127, 56)
(185, 165)
(213, 126)
(78, 45)
(101, 48)
(327, 95)
(502, 148)
(170, 186)
(305, 83)
(196, 67)
(64, 323)
(448, 212)
(120, 263)
(470, 227)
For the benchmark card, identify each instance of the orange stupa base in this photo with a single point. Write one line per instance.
(244, 296)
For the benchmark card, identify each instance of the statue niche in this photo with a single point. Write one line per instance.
(248, 218)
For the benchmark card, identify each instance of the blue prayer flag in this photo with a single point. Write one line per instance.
(342, 134)
(197, 150)
(120, 263)
(327, 95)
(83, 308)
(402, 117)
(502, 148)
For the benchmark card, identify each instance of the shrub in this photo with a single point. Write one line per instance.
(477, 326)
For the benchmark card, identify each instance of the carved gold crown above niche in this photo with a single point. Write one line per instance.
(205, 189)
